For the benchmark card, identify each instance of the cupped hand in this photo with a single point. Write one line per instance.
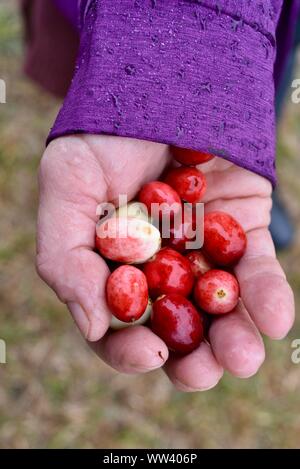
(79, 172)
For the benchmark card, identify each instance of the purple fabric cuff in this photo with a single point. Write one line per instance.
(73, 10)
(70, 10)
(196, 74)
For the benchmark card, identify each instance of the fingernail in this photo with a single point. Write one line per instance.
(185, 388)
(92, 329)
(80, 318)
(155, 359)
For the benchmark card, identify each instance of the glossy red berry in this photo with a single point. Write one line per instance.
(157, 192)
(199, 263)
(177, 322)
(116, 324)
(181, 232)
(127, 293)
(168, 272)
(189, 183)
(190, 157)
(225, 241)
(217, 292)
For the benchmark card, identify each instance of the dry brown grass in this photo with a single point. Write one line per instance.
(54, 392)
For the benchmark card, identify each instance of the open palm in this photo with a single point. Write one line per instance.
(79, 172)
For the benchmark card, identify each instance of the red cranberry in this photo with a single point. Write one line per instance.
(189, 183)
(199, 263)
(225, 241)
(168, 272)
(116, 324)
(217, 292)
(177, 322)
(127, 293)
(157, 192)
(190, 157)
(180, 232)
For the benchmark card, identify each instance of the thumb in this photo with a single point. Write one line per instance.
(78, 277)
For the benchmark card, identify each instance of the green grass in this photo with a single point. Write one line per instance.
(9, 30)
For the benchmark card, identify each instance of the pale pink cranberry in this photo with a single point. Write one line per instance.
(127, 240)
(127, 293)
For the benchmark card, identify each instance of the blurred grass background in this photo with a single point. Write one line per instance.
(53, 391)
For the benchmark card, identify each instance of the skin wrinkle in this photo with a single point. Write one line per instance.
(261, 270)
(203, 368)
(243, 332)
(125, 351)
(116, 167)
(86, 333)
(236, 208)
(105, 174)
(53, 164)
(53, 240)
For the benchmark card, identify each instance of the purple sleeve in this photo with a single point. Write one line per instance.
(73, 10)
(70, 10)
(196, 74)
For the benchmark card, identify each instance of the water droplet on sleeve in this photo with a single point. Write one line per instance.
(130, 70)
(247, 116)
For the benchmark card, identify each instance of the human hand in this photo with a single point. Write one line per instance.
(79, 172)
